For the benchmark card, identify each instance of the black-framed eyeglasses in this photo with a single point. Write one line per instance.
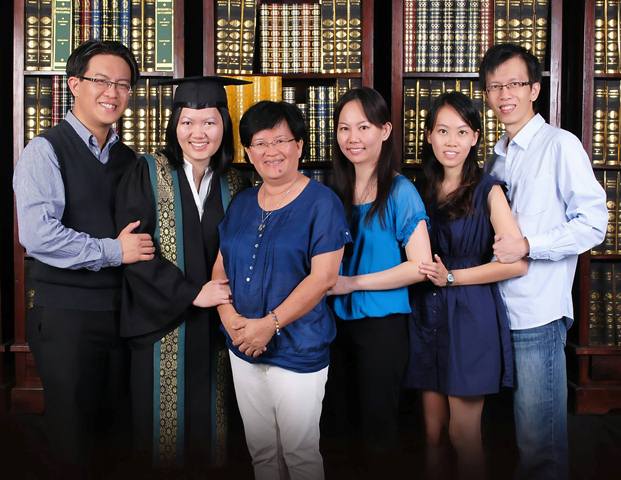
(497, 87)
(104, 84)
(261, 146)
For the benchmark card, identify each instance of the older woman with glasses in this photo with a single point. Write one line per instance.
(280, 249)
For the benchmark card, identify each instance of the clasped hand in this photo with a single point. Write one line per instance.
(251, 335)
(435, 271)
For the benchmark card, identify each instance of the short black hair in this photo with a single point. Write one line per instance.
(77, 63)
(499, 54)
(220, 160)
(267, 114)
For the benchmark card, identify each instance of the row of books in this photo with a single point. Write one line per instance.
(607, 30)
(606, 109)
(611, 183)
(316, 103)
(311, 37)
(142, 127)
(453, 35)
(605, 304)
(419, 95)
(53, 28)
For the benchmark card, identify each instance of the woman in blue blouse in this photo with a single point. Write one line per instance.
(389, 230)
(281, 245)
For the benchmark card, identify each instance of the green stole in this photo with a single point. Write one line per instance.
(169, 352)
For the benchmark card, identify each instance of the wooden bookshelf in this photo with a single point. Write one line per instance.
(26, 394)
(595, 373)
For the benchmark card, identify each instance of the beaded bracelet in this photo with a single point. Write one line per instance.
(276, 322)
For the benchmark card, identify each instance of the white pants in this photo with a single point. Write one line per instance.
(280, 410)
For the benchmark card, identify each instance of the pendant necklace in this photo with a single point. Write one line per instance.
(265, 215)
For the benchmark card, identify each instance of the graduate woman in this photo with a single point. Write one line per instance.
(178, 362)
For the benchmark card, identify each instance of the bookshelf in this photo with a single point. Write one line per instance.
(595, 350)
(240, 39)
(153, 30)
(455, 34)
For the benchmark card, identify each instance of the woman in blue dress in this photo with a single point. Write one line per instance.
(460, 344)
(389, 230)
(281, 245)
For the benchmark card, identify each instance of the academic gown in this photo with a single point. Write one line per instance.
(156, 299)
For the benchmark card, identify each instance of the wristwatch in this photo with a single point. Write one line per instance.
(450, 279)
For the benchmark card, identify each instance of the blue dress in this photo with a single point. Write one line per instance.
(460, 343)
(265, 266)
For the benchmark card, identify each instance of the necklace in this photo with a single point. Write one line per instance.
(265, 215)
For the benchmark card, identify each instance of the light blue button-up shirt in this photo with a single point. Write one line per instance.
(40, 204)
(560, 208)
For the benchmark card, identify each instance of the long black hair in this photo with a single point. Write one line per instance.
(223, 156)
(376, 110)
(459, 202)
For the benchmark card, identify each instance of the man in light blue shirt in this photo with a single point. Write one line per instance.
(561, 211)
(65, 184)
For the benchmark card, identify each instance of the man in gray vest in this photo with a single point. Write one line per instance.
(65, 184)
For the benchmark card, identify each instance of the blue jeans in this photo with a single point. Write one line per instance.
(540, 401)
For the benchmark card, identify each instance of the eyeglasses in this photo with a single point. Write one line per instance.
(497, 87)
(103, 84)
(261, 147)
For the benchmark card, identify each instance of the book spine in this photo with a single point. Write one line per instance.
(599, 122)
(448, 38)
(44, 105)
(599, 42)
(410, 130)
(115, 19)
(148, 39)
(409, 35)
(87, 20)
(166, 105)
(141, 132)
(62, 29)
(340, 59)
(136, 31)
(222, 22)
(616, 286)
(422, 35)
(164, 35)
(284, 50)
(56, 107)
(473, 27)
(596, 304)
(128, 124)
(124, 22)
(96, 18)
(76, 6)
(264, 16)
(296, 45)
(460, 40)
(275, 30)
(609, 327)
(248, 10)
(424, 104)
(31, 89)
(153, 120)
(106, 19)
(610, 187)
(312, 124)
(542, 8)
(501, 21)
(234, 36)
(46, 41)
(612, 124)
(31, 34)
(435, 36)
(306, 43)
(527, 25)
(514, 21)
(328, 38)
(487, 36)
(354, 37)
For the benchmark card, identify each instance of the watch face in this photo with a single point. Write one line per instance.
(450, 278)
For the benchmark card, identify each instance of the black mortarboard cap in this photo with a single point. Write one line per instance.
(201, 92)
